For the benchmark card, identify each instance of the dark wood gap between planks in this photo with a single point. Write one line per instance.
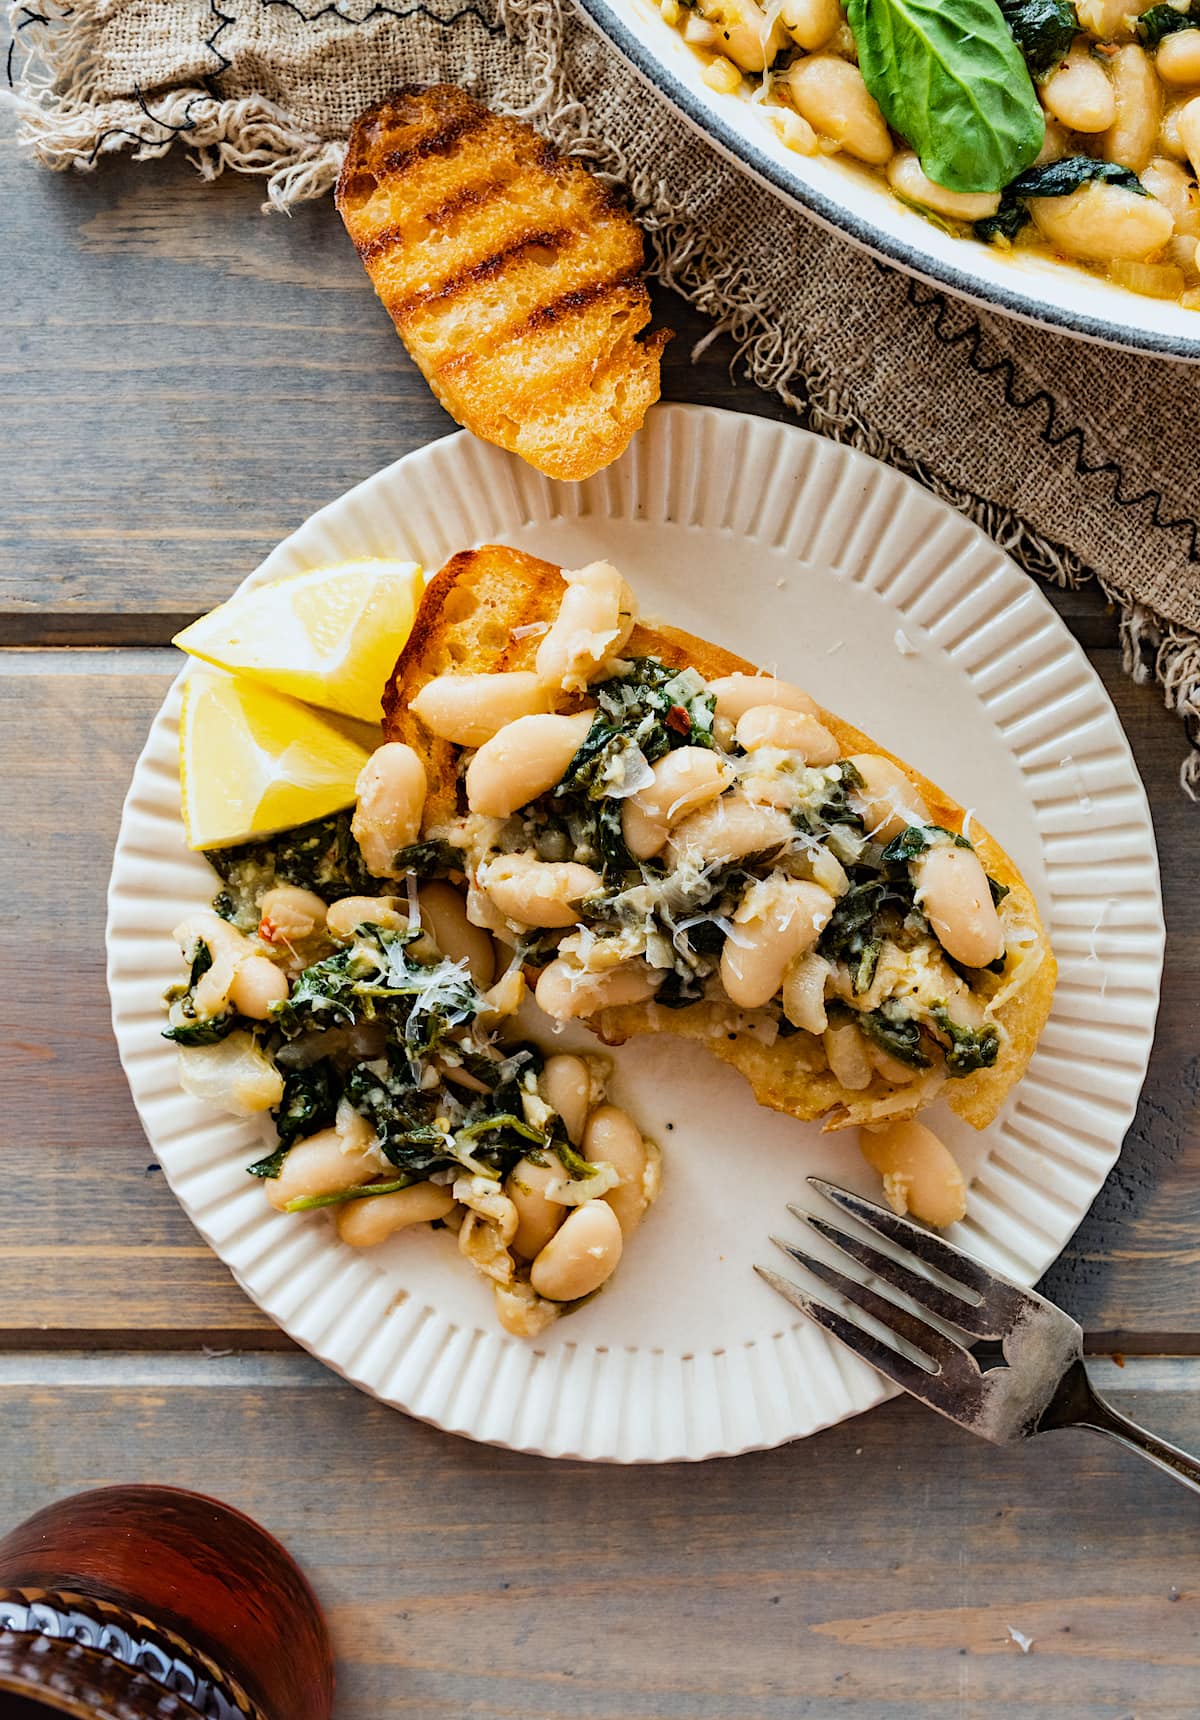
(1095, 630)
(238, 1340)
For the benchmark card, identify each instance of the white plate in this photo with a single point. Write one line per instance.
(817, 561)
(848, 199)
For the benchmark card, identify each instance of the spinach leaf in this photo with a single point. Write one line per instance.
(1162, 21)
(310, 1101)
(428, 860)
(202, 960)
(321, 856)
(209, 1032)
(1052, 179)
(896, 1033)
(871, 911)
(969, 1050)
(916, 839)
(1043, 30)
(951, 80)
(193, 1029)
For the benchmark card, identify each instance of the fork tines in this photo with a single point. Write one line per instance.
(981, 1303)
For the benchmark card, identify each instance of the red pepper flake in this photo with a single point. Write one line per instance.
(677, 718)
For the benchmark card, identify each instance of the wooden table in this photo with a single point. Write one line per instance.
(185, 381)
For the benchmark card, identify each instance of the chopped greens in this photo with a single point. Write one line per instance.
(896, 1033)
(322, 856)
(1162, 21)
(1042, 29)
(969, 1050)
(186, 1026)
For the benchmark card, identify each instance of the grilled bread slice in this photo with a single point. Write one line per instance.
(512, 276)
(485, 611)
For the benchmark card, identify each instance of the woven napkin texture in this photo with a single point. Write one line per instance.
(1080, 461)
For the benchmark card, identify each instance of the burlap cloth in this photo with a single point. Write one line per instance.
(1080, 461)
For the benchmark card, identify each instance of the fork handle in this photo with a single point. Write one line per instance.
(1090, 1410)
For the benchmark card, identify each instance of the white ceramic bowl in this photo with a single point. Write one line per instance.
(855, 203)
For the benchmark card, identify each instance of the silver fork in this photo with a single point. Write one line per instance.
(1044, 1384)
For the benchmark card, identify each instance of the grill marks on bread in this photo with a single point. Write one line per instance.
(510, 273)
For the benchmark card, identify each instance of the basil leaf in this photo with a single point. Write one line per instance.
(1052, 179)
(951, 80)
(1042, 29)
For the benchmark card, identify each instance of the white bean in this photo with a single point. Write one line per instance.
(810, 23)
(737, 694)
(744, 33)
(953, 890)
(908, 180)
(887, 800)
(581, 1256)
(1131, 138)
(1100, 223)
(363, 1223)
(323, 1164)
(1167, 181)
(684, 779)
(257, 984)
(1105, 19)
(1079, 93)
(566, 1086)
(1178, 58)
(804, 992)
(1169, 141)
(345, 917)
(729, 829)
(228, 949)
(288, 915)
(524, 759)
(832, 97)
(444, 917)
(567, 992)
(539, 892)
(790, 731)
(919, 1172)
(846, 1054)
(1187, 122)
(469, 709)
(613, 1138)
(537, 1217)
(594, 621)
(777, 920)
(391, 803)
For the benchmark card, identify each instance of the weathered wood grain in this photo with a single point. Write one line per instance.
(197, 382)
(875, 1571)
(98, 1242)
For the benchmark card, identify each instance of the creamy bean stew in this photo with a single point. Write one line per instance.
(1072, 129)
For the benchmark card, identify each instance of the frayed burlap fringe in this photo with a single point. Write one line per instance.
(57, 108)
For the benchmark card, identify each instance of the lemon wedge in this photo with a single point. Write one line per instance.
(330, 636)
(252, 762)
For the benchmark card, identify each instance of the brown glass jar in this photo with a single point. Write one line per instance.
(148, 1603)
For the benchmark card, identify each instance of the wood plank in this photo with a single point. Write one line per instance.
(878, 1569)
(109, 1248)
(185, 381)
(237, 373)
(101, 1242)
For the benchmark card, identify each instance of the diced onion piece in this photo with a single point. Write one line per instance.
(1152, 280)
